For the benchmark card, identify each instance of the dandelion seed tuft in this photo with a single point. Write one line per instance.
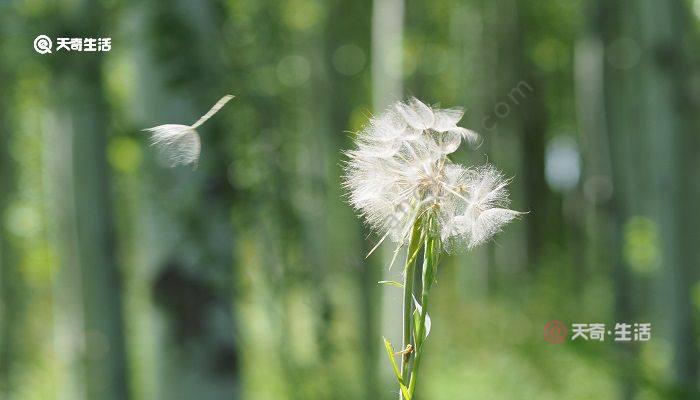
(400, 171)
(180, 144)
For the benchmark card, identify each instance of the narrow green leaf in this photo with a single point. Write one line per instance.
(404, 390)
(416, 327)
(428, 324)
(417, 314)
(390, 353)
(413, 246)
(392, 283)
(396, 254)
(395, 367)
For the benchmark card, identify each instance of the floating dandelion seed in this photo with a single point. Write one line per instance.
(180, 143)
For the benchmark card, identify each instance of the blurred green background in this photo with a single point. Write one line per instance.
(246, 278)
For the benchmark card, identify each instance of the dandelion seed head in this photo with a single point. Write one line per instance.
(400, 171)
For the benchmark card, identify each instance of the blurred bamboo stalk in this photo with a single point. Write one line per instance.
(666, 107)
(187, 296)
(88, 231)
(648, 112)
(387, 53)
(387, 87)
(10, 299)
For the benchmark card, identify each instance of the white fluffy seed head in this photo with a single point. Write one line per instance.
(400, 171)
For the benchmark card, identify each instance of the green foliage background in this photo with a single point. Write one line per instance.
(246, 277)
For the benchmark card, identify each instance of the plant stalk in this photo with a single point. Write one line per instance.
(414, 244)
(430, 260)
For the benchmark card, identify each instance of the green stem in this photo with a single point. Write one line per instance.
(430, 259)
(413, 246)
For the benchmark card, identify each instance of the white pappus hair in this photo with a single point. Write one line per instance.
(400, 171)
(180, 144)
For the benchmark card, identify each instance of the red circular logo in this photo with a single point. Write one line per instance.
(555, 332)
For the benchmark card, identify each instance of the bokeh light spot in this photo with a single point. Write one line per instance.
(550, 54)
(562, 163)
(349, 59)
(22, 220)
(293, 70)
(124, 154)
(301, 14)
(641, 245)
